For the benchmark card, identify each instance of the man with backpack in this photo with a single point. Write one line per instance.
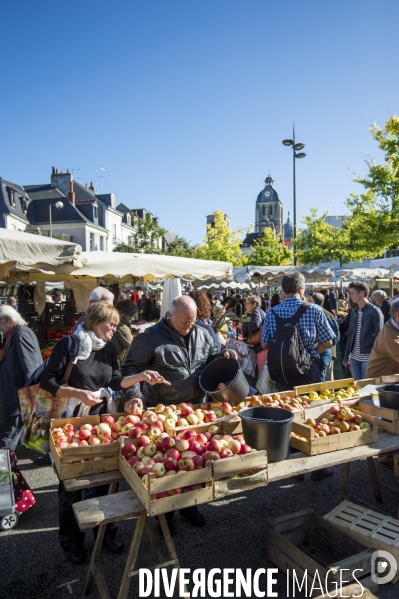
(295, 333)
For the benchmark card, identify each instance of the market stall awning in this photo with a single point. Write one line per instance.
(128, 268)
(21, 251)
(272, 273)
(362, 274)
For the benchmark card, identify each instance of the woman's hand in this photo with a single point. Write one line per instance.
(89, 398)
(153, 378)
(230, 353)
(133, 406)
(239, 326)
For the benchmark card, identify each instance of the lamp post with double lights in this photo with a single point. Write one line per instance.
(296, 147)
(58, 205)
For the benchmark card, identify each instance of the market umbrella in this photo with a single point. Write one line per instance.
(20, 252)
(273, 273)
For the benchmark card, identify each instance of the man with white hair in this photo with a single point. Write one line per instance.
(381, 300)
(179, 350)
(99, 294)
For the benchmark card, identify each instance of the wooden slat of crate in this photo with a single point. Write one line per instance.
(97, 458)
(161, 506)
(388, 420)
(302, 543)
(393, 378)
(314, 446)
(370, 528)
(229, 467)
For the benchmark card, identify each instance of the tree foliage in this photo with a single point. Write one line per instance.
(180, 247)
(377, 210)
(146, 237)
(267, 250)
(220, 242)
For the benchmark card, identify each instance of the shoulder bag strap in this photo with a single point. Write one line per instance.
(73, 350)
(299, 313)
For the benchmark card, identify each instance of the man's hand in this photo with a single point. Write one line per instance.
(134, 405)
(239, 326)
(345, 363)
(153, 378)
(230, 353)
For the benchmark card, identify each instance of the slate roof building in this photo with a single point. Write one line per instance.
(14, 202)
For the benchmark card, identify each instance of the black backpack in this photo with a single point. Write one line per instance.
(287, 360)
(73, 349)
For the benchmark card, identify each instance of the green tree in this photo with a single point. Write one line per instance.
(180, 247)
(267, 250)
(146, 237)
(221, 243)
(320, 241)
(377, 210)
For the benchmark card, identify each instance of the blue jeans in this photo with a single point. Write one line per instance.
(358, 369)
(323, 362)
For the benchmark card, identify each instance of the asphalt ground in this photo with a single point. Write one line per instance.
(33, 566)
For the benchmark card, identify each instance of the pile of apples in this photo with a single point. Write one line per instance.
(336, 421)
(185, 452)
(86, 434)
(292, 404)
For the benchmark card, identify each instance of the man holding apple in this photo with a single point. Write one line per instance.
(178, 349)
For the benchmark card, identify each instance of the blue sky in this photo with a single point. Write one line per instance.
(185, 102)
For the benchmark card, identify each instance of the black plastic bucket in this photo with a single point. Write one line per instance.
(269, 429)
(227, 371)
(389, 396)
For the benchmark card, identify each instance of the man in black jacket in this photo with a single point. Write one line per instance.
(365, 322)
(179, 350)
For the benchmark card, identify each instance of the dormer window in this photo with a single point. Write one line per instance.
(128, 219)
(95, 212)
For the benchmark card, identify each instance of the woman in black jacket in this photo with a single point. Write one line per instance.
(252, 305)
(96, 369)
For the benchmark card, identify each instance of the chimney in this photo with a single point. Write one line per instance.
(68, 172)
(56, 171)
(71, 194)
(53, 170)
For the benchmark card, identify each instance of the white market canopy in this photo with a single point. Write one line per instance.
(362, 274)
(21, 251)
(118, 267)
(272, 273)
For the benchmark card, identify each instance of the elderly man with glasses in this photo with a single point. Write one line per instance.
(178, 349)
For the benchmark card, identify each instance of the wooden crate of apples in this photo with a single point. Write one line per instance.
(176, 471)
(336, 428)
(83, 446)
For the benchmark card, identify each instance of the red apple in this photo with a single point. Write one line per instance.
(172, 453)
(94, 441)
(182, 445)
(159, 424)
(334, 430)
(201, 438)
(143, 440)
(83, 443)
(106, 440)
(159, 458)
(186, 464)
(188, 454)
(109, 420)
(198, 461)
(137, 467)
(210, 456)
(235, 446)
(133, 460)
(128, 450)
(214, 446)
(84, 434)
(144, 427)
(225, 452)
(167, 443)
(147, 461)
(126, 428)
(151, 419)
(129, 420)
(86, 426)
(210, 417)
(135, 432)
(190, 434)
(158, 469)
(118, 426)
(161, 495)
(198, 448)
(182, 422)
(244, 449)
(171, 464)
(103, 430)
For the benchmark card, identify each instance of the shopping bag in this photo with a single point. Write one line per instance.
(246, 356)
(264, 384)
(38, 407)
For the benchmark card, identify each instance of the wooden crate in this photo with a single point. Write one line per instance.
(308, 545)
(225, 474)
(168, 483)
(82, 461)
(305, 389)
(312, 445)
(369, 527)
(387, 419)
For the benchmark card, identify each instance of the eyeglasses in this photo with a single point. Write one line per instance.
(190, 323)
(111, 325)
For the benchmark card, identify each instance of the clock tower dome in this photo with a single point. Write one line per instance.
(268, 209)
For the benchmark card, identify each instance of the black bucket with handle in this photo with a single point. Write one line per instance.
(224, 371)
(268, 429)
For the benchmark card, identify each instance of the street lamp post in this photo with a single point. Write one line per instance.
(295, 154)
(58, 205)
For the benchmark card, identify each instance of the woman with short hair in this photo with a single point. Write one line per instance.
(252, 306)
(20, 359)
(95, 369)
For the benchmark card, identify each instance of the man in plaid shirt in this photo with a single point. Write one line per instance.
(313, 329)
